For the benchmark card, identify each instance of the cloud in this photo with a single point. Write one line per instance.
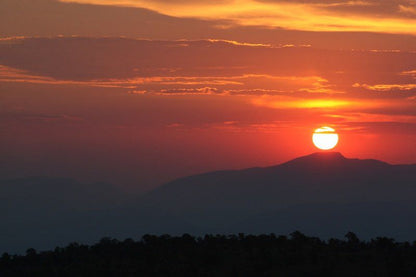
(372, 8)
(12, 75)
(264, 76)
(91, 58)
(187, 85)
(80, 59)
(411, 73)
(397, 16)
(48, 18)
(244, 43)
(386, 87)
(269, 127)
(374, 117)
(190, 91)
(371, 123)
(410, 10)
(246, 84)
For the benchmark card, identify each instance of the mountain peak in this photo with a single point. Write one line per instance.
(319, 157)
(326, 155)
(334, 160)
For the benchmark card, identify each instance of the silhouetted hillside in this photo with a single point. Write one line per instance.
(337, 192)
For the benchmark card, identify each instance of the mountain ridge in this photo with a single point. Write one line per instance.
(315, 178)
(322, 194)
(313, 161)
(317, 156)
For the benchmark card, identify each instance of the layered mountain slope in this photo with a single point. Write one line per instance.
(322, 194)
(218, 198)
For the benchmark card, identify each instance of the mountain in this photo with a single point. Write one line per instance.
(323, 194)
(296, 191)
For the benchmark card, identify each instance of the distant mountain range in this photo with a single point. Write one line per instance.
(322, 194)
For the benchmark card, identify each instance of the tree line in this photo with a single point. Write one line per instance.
(220, 255)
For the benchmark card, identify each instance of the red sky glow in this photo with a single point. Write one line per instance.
(137, 93)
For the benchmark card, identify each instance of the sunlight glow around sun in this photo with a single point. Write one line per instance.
(325, 138)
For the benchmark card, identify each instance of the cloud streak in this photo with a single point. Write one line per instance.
(398, 17)
(387, 87)
(246, 84)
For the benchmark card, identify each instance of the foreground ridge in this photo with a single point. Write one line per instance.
(220, 255)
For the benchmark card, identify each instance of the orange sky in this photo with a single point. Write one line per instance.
(140, 94)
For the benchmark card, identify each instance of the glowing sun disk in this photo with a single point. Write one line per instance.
(325, 138)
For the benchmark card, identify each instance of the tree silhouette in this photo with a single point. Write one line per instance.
(219, 255)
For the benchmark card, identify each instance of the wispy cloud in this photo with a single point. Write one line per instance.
(386, 87)
(251, 127)
(299, 15)
(373, 117)
(12, 75)
(246, 84)
(371, 123)
(411, 10)
(410, 73)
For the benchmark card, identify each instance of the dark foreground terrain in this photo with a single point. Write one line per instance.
(219, 255)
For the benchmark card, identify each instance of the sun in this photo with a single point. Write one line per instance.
(325, 138)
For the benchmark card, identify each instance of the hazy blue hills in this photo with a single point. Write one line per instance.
(322, 194)
(45, 212)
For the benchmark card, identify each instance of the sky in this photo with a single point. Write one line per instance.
(137, 93)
